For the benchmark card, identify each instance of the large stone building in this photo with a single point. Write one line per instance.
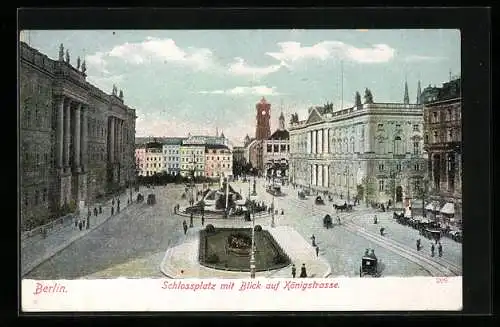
(218, 161)
(373, 151)
(76, 141)
(443, 144)
(192, 159)
(276, 150)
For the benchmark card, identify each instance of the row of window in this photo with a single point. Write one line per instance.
(451, 135)
(278, 148)
(416, 185)
(438, 116)
(36, 115)
(416, 167)
(184, 159)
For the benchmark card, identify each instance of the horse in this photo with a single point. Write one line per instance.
(341, 208)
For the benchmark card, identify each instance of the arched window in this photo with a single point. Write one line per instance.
(352, 144)
(398, 145)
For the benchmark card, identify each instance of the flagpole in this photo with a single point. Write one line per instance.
(341, 84)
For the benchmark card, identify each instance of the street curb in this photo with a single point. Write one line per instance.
(167, 255)
(58, 249)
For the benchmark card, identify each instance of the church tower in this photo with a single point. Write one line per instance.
(263, 128)
(419, 94)
(281, 125)
(406, 99)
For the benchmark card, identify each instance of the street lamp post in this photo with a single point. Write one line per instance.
(272, 191)
(252, 254)
(348, 177)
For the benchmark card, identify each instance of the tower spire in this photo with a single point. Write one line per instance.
(419, 93)
(406, 99)
(217, 131)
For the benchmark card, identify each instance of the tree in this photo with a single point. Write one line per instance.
(360, 192)
(368, 96)
(357, 100)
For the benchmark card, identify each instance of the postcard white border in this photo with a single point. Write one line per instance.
(329, 294)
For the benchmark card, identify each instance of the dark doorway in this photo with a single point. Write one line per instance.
(399, 194)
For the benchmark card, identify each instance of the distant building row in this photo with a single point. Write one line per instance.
(208, 156)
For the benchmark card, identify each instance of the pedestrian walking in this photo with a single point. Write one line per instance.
(303, 272)
(191, 220)
(185, 227)
(313, 239)
(83, 223)
(100, 209)
(76, 222)
(202, 220)
(375, 220)
(95, 211)
(112, 211)
(113, 202)
(382, 231)
(440, 249)
(80, 225)
(432, 249)
(294, 271)
(418, 245)
(317, 251)
(118, 207)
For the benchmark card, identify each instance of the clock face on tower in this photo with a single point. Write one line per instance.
(263, 112)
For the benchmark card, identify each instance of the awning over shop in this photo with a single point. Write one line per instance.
(432, 206)
(448, 209)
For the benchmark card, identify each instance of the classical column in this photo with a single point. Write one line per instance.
(76, 138)
(67, 135)
(111, 134)
(314, 141)
(309, 142)
(320, 139)
(327, 175)
(313, 180)
(84, 138)
(320, 175)
(325, 140)
(60, 133)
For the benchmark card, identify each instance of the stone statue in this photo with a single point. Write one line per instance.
(121, 94)
(114, 90)
(368, 96)
(61, 52)
(357, 99)
(84, 66)
(67, 56)
(78, 62)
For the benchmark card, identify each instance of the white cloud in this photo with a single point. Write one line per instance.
(291, 52)
(152, 125)
(239, 67)
(105, 83)
(165, 50)
(97, 63)
(418, 58)
(244, 90)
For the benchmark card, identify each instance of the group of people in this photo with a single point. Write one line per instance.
(432, 247)
(303, 271)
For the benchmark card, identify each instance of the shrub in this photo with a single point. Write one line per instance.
(210, 228)
(258, 228)
(212, 258)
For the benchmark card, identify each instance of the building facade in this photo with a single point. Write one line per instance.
(171, 155)
(255, 156)
(76, 141)
(372, 151)
(218, 161)
(239, 153)
(192, 159)
(140, 160)
(443, 144)
(153, 159)
(276, 151)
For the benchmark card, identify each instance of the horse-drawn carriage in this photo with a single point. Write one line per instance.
(140, 198)
(327, 222)
(369, 264)
(301, 194)
(319, 200)
(151, 199)
(343, 207)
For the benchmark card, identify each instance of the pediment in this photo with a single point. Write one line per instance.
(314, 117)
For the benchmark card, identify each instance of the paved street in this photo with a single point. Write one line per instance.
(133, 243)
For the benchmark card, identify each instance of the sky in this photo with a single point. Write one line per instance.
(198, 81)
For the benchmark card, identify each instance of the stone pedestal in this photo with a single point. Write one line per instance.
(82, 187)
(65, 187)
